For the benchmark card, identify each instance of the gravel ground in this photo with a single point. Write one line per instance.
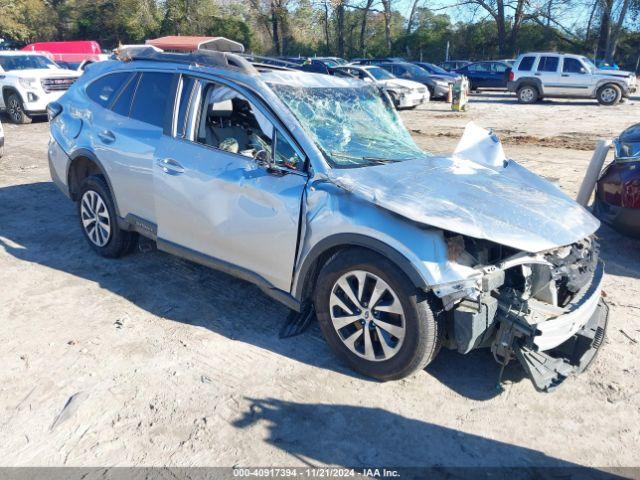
(151, 360)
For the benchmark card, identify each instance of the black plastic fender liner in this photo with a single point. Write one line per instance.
(547, 370)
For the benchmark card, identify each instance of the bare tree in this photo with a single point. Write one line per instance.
(386, 6)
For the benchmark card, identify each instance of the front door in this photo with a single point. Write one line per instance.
(215, 200)
(575, 79)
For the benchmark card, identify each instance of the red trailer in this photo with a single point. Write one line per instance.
(69, 54)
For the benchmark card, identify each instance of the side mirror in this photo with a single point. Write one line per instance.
(583, 70)
(264, 158)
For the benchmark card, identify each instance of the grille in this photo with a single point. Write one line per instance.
(57, 84)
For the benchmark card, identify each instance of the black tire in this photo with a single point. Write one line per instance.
(15, 110)
(119, 242)
(609, 94)
(422, 329)
(528, 94)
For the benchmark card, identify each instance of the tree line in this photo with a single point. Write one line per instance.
(606, 29)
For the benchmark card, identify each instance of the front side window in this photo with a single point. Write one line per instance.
(352, 125)
(151, 98)
(228, 121)
(379, 73)
(572, 65)
(548, 64)
(104, 90)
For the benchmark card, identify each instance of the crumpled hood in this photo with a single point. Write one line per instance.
(507, 205)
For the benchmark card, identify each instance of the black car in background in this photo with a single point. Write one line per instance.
(438, 85)
(490, 74)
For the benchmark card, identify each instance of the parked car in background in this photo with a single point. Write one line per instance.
(438, 85)
(451, 65)
(550, 74)
(604, 65)
(252, 171)
(617, 197)
(1, 140)
(490, 74)
(73, 55)
(433, 69)
(404, 93)
(30, 81)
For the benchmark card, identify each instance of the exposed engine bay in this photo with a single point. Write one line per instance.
(528, 304)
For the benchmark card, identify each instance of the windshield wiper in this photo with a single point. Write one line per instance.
(366, 159)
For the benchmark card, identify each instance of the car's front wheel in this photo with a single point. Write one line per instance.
(15, 110)
(373, 317)
(99, 221)
(609, 94)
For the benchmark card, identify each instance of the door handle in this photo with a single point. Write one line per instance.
(170, 166)
(565, 74)
(537, 74)
(107, 136)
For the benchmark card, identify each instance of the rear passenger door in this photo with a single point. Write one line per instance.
(547, 70)
(214, 202)
(126, 133)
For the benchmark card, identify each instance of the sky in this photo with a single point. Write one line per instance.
(575, 16)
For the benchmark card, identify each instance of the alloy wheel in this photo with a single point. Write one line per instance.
(527, 95)
(367, 315)
(95, 218)
(609, 95)
(14, 109)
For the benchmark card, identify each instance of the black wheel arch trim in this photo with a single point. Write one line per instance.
(346, 240)
(534, 82)
(88, 154)
(8, 90)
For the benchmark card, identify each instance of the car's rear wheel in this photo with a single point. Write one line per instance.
(15, 110)
(609, 94)
(373, 317)
(99, 221)
(528, 94)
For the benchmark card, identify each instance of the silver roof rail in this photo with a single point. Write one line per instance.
(204, 58)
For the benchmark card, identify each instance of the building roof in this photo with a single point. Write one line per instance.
(190, 44)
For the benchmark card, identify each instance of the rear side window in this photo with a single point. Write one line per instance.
(122, 104)
(151, 98)
(103, 91)
(526, 64)
(571, 65)
(548, 64)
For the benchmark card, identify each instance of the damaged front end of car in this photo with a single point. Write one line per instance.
(544, 309)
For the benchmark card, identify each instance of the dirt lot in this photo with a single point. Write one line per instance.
(151, 360)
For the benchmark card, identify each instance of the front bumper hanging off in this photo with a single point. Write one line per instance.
(549, 369)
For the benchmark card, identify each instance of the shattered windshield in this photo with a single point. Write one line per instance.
(352, 126)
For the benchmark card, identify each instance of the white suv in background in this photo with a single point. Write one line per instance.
(538, 75)
(29, 81)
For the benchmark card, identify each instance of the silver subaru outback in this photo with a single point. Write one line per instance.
(310, 187)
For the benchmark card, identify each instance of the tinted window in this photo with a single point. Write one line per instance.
(526, 64)
(479, 67)
(186, 90)
(104, 89)
(122, 105)
(548, 64)
(571, 65)
(151, 99)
